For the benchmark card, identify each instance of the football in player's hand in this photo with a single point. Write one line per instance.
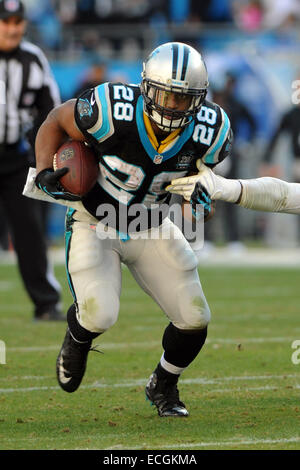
(83, 167)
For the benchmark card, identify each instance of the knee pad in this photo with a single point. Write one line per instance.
(99, 308)
(194, 310)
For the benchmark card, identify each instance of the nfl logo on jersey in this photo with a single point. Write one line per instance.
(158, 159)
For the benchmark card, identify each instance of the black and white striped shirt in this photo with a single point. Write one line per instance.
(29, 92)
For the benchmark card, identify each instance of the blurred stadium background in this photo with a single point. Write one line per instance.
(244, 392)
(251, 48)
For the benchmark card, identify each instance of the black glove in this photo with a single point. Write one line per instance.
(200, 197)
(48, 181)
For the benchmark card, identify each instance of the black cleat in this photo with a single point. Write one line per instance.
(71, 363)
(165, 396)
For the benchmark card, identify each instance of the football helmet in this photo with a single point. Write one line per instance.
(178, 69)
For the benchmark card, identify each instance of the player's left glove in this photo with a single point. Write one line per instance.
(48, 181)
(200, 199)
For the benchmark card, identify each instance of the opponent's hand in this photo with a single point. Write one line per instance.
(216, 186)
(186, 185)
(48, 181)
(200, 198)
(183, 186)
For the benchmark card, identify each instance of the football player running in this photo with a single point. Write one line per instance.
(145, 136)
(262, 194)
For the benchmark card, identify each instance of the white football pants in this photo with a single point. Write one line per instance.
(164, 265)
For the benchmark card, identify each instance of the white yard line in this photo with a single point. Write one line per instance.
(198, 380)
(227, 443)
(187, 445)
(104, 346)
(234, 442)
(26, 377)
(251, 340)
(142, 382)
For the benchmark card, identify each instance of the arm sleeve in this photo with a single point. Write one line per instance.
(262, 194)
(270, 195)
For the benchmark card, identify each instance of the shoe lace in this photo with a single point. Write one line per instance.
(76, 359)
(94, 349)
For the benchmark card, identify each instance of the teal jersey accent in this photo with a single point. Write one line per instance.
(210, 157)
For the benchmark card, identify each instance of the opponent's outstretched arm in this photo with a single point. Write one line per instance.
(262, 194)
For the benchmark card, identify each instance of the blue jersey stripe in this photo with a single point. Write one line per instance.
(209, 157)
(106, 126)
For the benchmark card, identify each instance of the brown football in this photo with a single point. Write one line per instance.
(83, 167)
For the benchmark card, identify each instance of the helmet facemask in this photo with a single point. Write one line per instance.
(155, 96)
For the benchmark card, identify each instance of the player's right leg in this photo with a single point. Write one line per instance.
(167, 270)
(94, 276)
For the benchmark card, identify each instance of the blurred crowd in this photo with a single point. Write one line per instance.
(246, 14)
(252, 85)
(52, 18)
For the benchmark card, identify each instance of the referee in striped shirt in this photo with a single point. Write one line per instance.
(27, 93)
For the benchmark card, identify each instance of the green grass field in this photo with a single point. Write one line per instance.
(242, 391)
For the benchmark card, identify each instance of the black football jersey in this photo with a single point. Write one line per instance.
(132, 172)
